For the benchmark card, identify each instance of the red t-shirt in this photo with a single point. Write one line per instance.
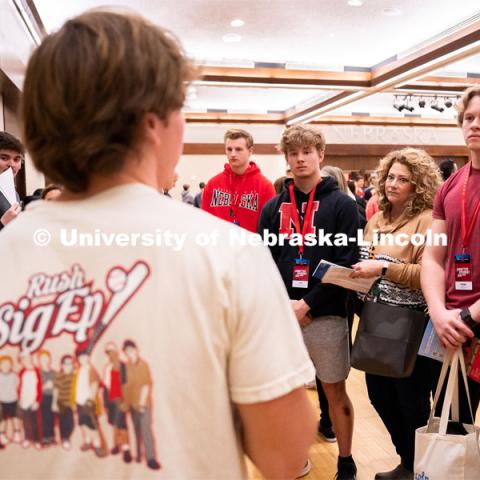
(448, 206)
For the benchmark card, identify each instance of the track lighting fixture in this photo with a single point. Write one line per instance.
(437, 103)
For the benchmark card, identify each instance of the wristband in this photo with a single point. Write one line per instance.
(466, 317)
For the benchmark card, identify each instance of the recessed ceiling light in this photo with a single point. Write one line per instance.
(355, 3)
(232, 37)
(238, 22)
(192, 93)
(392, 11)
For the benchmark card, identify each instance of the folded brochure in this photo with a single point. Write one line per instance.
(328, 272)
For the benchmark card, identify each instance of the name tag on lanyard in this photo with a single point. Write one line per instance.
(463, 272)
(301, 269)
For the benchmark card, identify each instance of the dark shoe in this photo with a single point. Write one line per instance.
(327, 432)
(398, 473)
(127, 456)
(115, 450)
(153, 464)
(346, 471)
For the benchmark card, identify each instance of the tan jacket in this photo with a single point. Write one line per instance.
(408, 272)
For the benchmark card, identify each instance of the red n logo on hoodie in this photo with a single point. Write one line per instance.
(287, 225)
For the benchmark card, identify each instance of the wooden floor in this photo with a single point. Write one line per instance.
(372, 448)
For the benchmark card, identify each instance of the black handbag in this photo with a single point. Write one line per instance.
(388, 339)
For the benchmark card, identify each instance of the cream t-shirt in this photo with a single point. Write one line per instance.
(209, 317)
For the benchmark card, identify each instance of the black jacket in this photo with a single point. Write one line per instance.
(336, 213)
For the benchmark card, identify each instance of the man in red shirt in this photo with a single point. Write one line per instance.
(451, 274)
(238, 193)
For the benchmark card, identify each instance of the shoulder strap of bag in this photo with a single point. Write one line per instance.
(452, 387)
(465, 381)
(441, 380)
(447, 402)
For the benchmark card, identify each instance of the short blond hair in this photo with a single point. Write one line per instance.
(236, 133)
(298, 136)
(464, 100)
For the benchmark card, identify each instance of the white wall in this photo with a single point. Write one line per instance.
(363, 134)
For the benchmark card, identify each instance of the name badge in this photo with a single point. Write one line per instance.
(300, 273)
(463, 272)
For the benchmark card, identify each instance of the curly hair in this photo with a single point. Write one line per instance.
(298, 136)
(425, 179)
(462, 104)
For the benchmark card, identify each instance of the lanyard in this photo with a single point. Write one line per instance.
(235, 196)
(467, 232)
(296, 220)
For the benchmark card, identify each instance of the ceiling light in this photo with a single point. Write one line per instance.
(392, 11)
(436, 106)
(238, 22)
(191, 93)
(355, 3)
(232, 37)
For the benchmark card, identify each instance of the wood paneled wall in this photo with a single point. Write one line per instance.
(346, 156)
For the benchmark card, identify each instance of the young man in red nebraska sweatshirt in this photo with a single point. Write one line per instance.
(238, 194)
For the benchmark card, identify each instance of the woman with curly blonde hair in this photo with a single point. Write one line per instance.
(407, 182)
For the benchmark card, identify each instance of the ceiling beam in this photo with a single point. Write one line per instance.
(284, 76)
(453, 48)
(384, 121)
(217, 117)
(449, 44)
(279, 119)
(332, 149)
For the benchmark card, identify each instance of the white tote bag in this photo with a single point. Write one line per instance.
(442, 456)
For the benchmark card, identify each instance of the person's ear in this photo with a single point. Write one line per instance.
(321, 156)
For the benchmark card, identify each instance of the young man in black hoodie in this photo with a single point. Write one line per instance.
(310, 204)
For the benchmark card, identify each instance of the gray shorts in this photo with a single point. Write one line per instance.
(326, 339)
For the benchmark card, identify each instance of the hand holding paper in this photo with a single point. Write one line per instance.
(7, 186)
(328, 272)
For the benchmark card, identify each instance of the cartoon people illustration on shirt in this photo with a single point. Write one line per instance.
(138, 400)
(86, 388)
(44, 359)
(63, 399)
(29, 398)
(114, 377)
(8, 402)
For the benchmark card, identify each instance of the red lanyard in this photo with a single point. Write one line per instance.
(306, 219)
(235, 196)
(467, 232)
